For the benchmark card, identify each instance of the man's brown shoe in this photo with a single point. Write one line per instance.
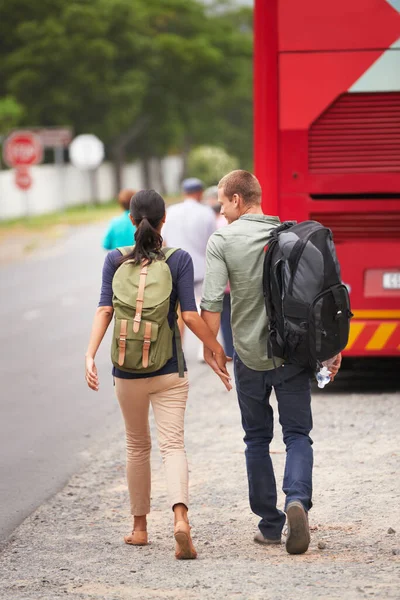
(184, 545)
(298, 531)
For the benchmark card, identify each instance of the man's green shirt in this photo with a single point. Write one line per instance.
(236, 253)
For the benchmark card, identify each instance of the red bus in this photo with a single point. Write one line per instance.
(327, 142)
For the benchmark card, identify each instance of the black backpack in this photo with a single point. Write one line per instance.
(308, 306)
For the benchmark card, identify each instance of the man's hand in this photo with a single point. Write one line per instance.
(91, 374)
(335, 366)
(218, 364)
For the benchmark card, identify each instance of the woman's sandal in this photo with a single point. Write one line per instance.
(184, 545)
(137, 538)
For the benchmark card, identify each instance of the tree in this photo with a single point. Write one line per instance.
(146, 77)
(11, 114)
(211, 163)
(76, 68)
(228, 108)
(200, 91)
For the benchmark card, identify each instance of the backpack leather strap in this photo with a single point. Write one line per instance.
(146, 345)
(140, 299)
(178, 344)
(122, 342)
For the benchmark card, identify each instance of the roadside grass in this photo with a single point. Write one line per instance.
(49, 223)
(73, 215)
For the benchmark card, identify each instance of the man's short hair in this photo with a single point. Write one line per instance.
(244, 184)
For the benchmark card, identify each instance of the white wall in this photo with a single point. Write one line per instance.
(56, 187)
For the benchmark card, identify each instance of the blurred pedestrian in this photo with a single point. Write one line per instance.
(134, 280)
(120, 231)
(210, 198)
(189, 225)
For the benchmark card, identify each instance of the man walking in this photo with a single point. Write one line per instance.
(188, 226)
(236, 253)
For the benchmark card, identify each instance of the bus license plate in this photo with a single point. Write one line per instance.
(391, 281)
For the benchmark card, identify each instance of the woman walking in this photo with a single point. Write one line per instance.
(142, 286)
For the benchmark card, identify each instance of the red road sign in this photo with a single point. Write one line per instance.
(23, 178)
(22, 148)
(55, 137)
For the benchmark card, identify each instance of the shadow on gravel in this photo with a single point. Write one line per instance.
(365, 375)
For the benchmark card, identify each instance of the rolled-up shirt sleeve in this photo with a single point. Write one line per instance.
(216, 278)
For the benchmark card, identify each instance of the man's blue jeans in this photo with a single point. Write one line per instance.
(292, 389)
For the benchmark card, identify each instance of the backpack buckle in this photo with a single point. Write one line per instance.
(146, 345)
(136, 322)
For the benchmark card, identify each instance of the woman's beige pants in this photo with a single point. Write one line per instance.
(168, 395)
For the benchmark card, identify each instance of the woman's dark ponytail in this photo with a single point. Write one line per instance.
(147, 208)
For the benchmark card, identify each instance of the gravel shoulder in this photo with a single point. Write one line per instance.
(72, 545)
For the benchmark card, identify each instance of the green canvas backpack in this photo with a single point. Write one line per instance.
(142, 338)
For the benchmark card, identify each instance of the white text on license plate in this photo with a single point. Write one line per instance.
(391, 281)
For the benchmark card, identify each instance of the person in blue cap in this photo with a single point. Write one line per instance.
(189, 224)
(193, 187)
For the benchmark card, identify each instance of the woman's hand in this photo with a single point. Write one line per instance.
(91, 374)
(217, 361)
(335, 366)
(101, 321)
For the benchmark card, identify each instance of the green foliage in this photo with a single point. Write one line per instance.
(11, 114)
(71, 66)
(102, 65)
(210, 163)
(228, 111)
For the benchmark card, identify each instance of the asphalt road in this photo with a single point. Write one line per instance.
(48, 417)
